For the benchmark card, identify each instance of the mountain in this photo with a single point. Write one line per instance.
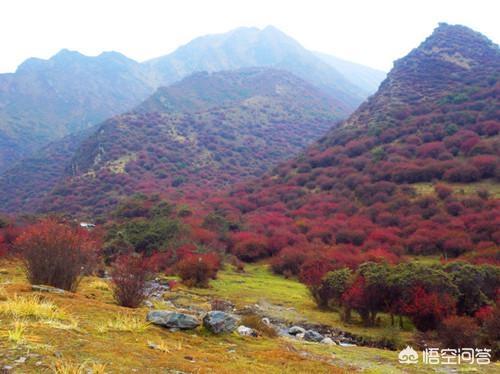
(362, 76)
(24, 185)
(415, 170)
(228, 126)
(247, 47)
(47, 99)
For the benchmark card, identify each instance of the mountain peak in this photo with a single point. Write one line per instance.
(66, 54)
(457, 45)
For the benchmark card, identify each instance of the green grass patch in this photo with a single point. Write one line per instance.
(285, 298)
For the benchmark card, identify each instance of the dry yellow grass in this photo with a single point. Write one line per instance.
(3, 293)
(32, 307)
(68, 367)
(124, 322)
(16, 334)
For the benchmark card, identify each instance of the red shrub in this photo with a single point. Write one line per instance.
(443, 191)
(428, 309)
(249, 246)
(486, 164)
(56, 254)
(129, 280)
(197, 269)
(313, 269)
(159, 261)
(458, 332)
(289, 260)
(483, 314)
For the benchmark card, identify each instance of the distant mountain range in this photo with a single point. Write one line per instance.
(246, 47)
(45, 100)
(207, 131)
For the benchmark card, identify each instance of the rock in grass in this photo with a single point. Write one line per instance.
(220, 322)
(328, 341)
(49, 289)
(313, 336)
(246, 331)
(294, 330)
(174, 320)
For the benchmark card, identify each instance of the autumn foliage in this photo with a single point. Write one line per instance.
(56, 254)
(196, 270)
(129, 275)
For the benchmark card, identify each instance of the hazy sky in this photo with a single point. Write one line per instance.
(372, 32)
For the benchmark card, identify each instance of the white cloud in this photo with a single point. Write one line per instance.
(370, 32)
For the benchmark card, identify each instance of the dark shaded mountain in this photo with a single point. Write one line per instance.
(47, 99)
(250, 120)
(269, 47)
(366, 78)
(29, 180)
(414, 170)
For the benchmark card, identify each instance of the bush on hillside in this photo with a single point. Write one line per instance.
(196, 270)
(129, 275)
(56, 254)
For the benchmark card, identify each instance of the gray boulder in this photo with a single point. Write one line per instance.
(173, 320)
(49, 289)
(220, 322)
(294, 330)
(313, 336)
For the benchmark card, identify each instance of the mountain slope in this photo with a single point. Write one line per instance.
(26, 183)
(365, 185)
(252, 119)
(47, 99)
(246, 47)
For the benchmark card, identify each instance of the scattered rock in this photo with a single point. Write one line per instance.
(220, 322)
(43, 288)
(7, 368)
(313, 336)
(58, 354)
(169, 319)
(156, 288)
(38, 363)
(21, 360)
(328, 341)
(148, 304)
(266, 321)
(294, 330)
(189, 358)
(246, 331)
(300, 336)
